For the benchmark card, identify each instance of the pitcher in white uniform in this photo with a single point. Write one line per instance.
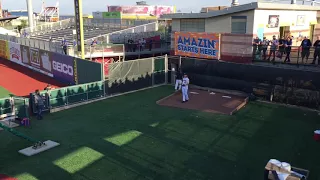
(185, 84)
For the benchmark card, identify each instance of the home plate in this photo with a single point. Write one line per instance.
(30, 151)
(212, 93)
(194, 93)
(226, 97)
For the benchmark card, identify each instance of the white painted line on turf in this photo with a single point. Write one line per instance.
(194, 93)
(226, 97)
(212, 93)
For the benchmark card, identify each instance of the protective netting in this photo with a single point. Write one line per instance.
(284, 85)
(133, 75)
(130, 75)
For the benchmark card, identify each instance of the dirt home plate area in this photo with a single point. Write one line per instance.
(207, 101)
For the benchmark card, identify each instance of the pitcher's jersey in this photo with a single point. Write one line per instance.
(185, 82)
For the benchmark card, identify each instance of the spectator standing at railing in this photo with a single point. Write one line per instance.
(256, 42)
(130, 45)
(288, 45)
(94, 42)
(143, 43)
(64, 45)
(150, 44)
(273, 47)
(305, 49)
(140, 44)
(265, 43)
(282, 47)
(39, 104)
(316, 46)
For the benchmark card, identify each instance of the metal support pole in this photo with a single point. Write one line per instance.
(90, 53)
(30, 14)
(153, 71)
(166, 68)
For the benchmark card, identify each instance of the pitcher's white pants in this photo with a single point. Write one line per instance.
(178, 84)
(185, 96)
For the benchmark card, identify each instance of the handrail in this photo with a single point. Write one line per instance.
(124, 30)
(47, 27)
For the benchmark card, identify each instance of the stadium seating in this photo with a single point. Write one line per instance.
(67, 33)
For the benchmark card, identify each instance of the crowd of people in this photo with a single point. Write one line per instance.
(282, 48)
(140, 44)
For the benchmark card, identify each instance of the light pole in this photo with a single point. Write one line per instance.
(30, 13)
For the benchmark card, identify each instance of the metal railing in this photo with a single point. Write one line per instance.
(294, 55)
(121, 23)
(103, 50)
(44, 28)
(157, 45)
(123, 38)
(137, 29)
(302, 2)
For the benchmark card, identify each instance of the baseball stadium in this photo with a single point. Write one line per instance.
(101, 98)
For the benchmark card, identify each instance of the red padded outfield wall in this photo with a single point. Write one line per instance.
(22, 81)
(24, 69)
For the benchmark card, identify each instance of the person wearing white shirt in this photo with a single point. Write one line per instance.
(185, 84)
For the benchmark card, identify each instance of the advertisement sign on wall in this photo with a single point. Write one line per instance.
(15, 53)
(25, 55)
(63, 67)
(200, 45)
(143, 10)
(34, 58)
(301, 20)
(38, 60)
(273, 21)
(4, 49)
(111, 15)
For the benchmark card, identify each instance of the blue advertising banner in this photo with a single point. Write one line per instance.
(63, 68)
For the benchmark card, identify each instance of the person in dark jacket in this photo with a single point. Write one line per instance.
(256, 42)
(282, 42)
(39, 104)
(178, 80)
(64, 45)
(316, 54)
(273, 47)
(305, 49)
(265, 43)
(287, 45)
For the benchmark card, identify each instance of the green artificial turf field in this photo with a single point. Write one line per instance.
(4, 93)
(131, 137)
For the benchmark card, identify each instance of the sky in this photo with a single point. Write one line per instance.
(89, 6)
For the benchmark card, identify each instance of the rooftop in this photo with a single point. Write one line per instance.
(241, 8)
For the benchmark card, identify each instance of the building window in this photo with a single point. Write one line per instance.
(239, 24)
(192, 25)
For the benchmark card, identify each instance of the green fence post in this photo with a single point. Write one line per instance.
(87, 90)
(166, 68)
(66, 91)
(153, 72)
